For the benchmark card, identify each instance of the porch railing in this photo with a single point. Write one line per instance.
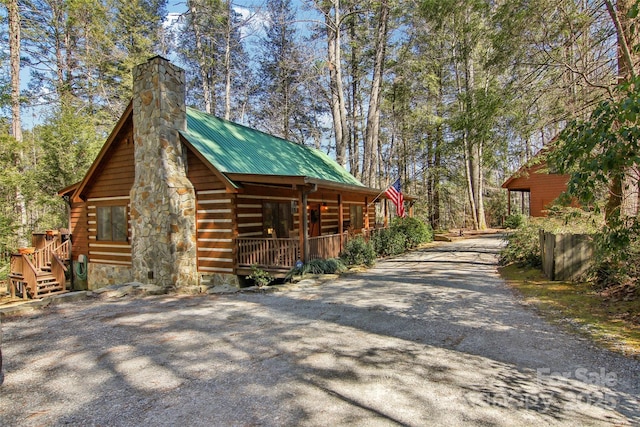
(269, 253)
(329, 246)
(283, 253)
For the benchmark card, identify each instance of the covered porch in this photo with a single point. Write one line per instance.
(278, 256)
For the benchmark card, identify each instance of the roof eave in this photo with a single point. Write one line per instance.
(266, 178)
(300, 181)
(69, 190)
(341, 186)
(229, 183)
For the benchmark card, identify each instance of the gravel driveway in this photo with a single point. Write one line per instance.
(430, 338)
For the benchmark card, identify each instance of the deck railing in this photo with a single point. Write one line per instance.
(23, 275)
(324, 247)
(269, 253)
(63, 250)
(43, 268)
(42, 257)
(284, 253)
(58, 269)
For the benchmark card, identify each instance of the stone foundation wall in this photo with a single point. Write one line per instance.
(219, 279)
(100, 275)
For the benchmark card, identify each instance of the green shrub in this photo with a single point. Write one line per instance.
(523, 246)
(260, 277)
(388, 241)
(404, 234)
(319, 266)
(617, 256)
(514, 221)
(414, 230)
(357, 251)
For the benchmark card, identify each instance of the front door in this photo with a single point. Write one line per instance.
(315, 226)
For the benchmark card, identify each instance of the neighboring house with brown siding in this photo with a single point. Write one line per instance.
(176, 194)
(537, 187)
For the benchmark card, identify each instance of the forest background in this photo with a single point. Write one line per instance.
(451, 96)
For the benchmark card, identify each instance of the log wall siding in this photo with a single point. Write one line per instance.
(111, 186)
(78, 228)
(249, 209)
(215, 231)
(107, 252)
(215, 222)
(114, 177)
(249, 214)
(328, 218)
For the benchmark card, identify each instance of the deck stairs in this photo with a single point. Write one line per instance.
(40, 272)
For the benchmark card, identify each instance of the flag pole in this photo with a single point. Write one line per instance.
(377, 197)
(381, 193)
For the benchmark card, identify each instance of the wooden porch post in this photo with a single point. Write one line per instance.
(386, 214)
(366, 213)
(304, 226)
(340, 219)
(508, 202)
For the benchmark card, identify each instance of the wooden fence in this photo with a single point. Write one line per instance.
(565, 256)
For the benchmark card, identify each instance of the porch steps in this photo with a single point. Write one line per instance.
(42, 272)
(46, 285)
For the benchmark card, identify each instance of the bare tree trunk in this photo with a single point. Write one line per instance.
(482, 221)
(469, 157)
(333, 22)
(435, 201)
(623, 190)
(13, 15)
(14, 54)
(356, 104)
(372, 131)
(60, 67)
(203, 66)
(469, 174)
(470, 145)
(227, 63)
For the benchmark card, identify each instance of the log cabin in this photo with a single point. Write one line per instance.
(537, 187)
(177, 195)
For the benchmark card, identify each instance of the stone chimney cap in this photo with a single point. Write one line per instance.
(158, 56)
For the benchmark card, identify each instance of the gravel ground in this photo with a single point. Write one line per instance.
(430, 338)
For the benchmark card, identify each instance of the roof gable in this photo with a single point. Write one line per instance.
(236, 149)
(126, 115)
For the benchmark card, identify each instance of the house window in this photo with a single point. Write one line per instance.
(355, 216)
(277, 219)
(112, 223)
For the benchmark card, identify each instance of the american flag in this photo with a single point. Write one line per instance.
(394, 193)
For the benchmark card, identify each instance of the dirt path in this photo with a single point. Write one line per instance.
(430, 338)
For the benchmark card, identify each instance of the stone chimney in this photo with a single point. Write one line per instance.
(163, 203)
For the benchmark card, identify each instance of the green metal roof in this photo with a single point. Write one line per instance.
(233, 148)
